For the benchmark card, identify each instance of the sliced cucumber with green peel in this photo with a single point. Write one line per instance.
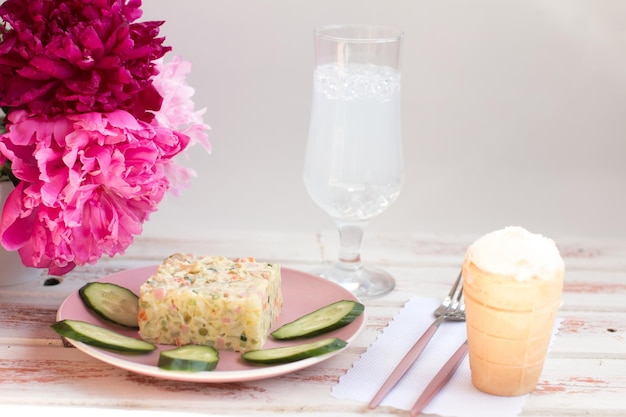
(99, 336)
(294, 353)
(112, 302)
(190, 358)
(323, 320)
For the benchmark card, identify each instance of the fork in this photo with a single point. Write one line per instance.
(452, 308)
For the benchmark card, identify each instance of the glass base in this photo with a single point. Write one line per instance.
(364, 282)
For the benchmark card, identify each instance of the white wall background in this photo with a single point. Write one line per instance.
(513, 113)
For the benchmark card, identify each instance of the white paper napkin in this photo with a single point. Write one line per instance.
(458, 398)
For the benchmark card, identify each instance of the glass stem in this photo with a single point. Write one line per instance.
(350, 238)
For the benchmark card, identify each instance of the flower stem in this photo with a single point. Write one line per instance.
(7, 174)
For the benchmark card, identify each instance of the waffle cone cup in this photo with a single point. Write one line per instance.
(509, 327)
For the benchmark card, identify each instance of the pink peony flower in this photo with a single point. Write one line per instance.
(177, 110)
(177, 113)
(77, 56)
(87, 184)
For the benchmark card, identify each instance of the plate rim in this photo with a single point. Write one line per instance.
(262, 372)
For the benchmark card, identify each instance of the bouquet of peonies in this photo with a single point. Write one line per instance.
(93, 119)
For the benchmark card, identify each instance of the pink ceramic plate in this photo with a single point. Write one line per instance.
(302, 294)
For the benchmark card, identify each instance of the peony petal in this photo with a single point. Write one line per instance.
(45, 67)
(14, 226)
(90, 40)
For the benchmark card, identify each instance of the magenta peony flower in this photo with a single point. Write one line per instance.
(87, 184)
(78, 56)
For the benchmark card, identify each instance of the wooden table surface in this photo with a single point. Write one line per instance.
(584, 375)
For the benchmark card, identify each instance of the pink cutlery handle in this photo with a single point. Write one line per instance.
(405, 363)
(439, 380)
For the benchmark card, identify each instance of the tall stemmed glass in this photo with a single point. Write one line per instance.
(353, 166)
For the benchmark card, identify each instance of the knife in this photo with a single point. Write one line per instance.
(442, 377)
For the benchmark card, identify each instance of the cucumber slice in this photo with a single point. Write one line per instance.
(323, 320)
(112, 302)
(191, 358)
(294, 353)
(99, 336)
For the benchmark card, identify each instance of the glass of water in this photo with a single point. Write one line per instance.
(353, 166)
